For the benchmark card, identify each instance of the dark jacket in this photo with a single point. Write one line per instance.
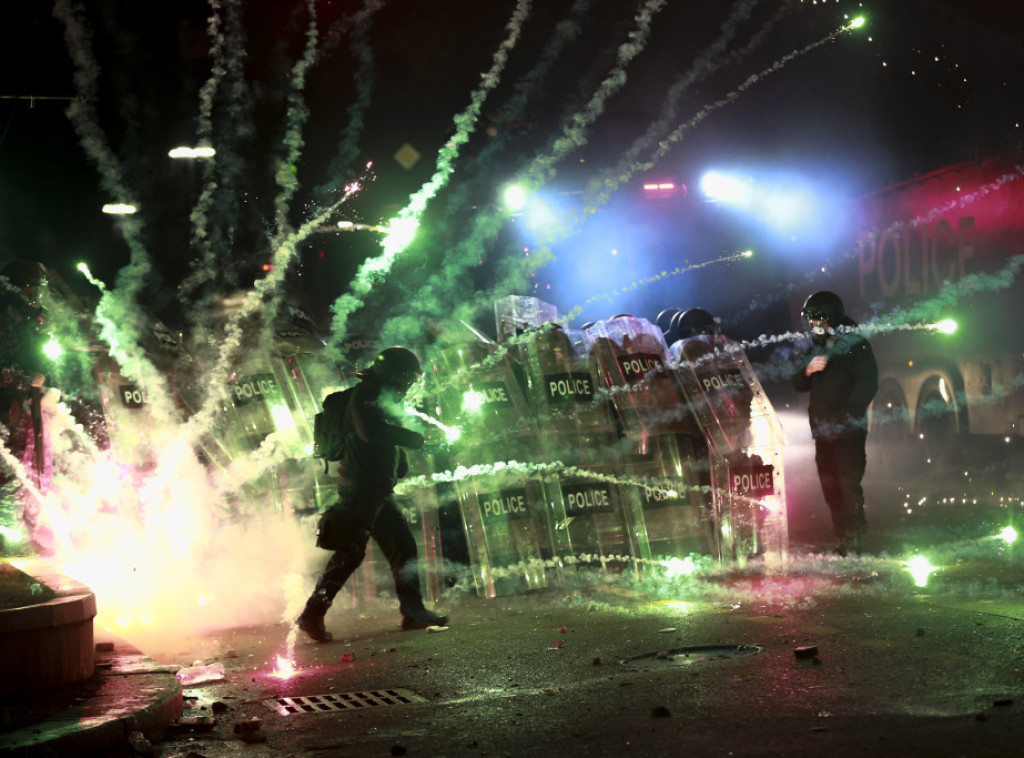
(842, 392)
(372, 456)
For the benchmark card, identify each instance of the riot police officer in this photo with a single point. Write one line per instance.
(841, 376)
(371, 465)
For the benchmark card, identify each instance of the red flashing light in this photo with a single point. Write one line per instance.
(663, 189)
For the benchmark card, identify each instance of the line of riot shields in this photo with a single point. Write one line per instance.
(606, 449)
(594, 449)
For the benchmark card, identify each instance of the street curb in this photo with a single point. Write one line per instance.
(135, 694)
(47, 644)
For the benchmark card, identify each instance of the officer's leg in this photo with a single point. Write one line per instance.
(851, 460)
(392, 534)
(350, 535)
(828, 474)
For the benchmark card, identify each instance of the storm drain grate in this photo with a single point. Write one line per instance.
(686, 656)
(345, 701)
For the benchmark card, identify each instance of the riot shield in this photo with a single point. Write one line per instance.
(745, 441)
(503, 507)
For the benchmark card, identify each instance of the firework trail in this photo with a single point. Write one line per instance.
(218, 388)
(434, 298)
(529, 84)
(924, 313)
(296, 119)
(574, 134)
(677, 134)
(846, 256)
(364, 78)
(286, 178)
(921, 316)
(542, 168)
(116, 312)
(226, 71)
(702, 67)
(403, 226)
(461, 473)
(340, 28)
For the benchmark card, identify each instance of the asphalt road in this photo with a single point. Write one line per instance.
(832, 657)
(716, 666)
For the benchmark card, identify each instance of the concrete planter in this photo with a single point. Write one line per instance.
(51, 643)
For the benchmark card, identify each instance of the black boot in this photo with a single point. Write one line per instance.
(311, 621)
(422, 618)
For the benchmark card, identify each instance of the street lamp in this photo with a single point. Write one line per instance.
(119, 209)
(192, 152)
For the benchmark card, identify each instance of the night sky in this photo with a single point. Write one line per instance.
(923, 84)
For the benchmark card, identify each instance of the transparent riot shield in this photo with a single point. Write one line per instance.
(745, 441)
(131, 428)
(632, 359)
(517, 314)
(417, 498)
(660, 461)
(674, 501)
(575, 416)
(596, 521)
(578, 447)
(503, 506)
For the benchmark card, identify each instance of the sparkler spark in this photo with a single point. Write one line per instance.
(920, 569)
(284, 668)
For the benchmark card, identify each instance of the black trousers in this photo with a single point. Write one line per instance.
(356, 518)
(841, 463)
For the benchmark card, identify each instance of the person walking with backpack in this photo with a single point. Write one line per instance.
(371, 463)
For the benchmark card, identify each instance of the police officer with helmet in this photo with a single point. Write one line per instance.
(371, 466)
(693, 322)
(841, 375)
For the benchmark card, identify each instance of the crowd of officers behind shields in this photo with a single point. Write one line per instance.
(838, 371)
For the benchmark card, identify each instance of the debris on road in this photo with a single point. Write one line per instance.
(197, 673)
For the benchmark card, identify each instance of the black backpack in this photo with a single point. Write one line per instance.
(328, 435)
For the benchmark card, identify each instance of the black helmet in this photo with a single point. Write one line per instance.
(664, 320)
(824, 306)
(397, 367)
(694, 321)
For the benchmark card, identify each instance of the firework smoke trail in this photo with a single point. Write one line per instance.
(364, 78)
(664, 274)
(540, 170)
(340, 28)
(374, 269)
(204, 132)
(564, 32)
(296, 118)
(923, 314)
(672, 139)
(461, 473)
(218, 388)
(574, 134)
(932, 309)
(286, 178)
(226, 57)
(116, 312)
(938, 212)
(702, 67)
